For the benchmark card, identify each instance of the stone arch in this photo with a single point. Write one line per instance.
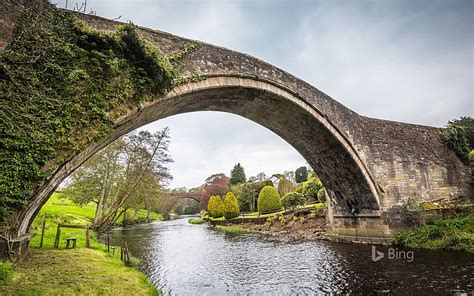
(349, 183)
(371, 167)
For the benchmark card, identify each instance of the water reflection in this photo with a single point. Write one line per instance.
(184, 259)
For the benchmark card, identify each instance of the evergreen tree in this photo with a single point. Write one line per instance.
(237, 175)
(215, 207)
(269, 200)
(284, 186)
(231, 206)
(301, 174)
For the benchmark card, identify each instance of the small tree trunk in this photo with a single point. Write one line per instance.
(124, 217)
(100, 205)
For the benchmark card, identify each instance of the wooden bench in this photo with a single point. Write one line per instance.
(68, 240)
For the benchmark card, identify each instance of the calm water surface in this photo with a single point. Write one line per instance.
(184, 259)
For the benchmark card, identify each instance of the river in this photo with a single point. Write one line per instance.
(184, 259)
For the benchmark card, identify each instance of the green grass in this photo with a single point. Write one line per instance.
(6, 271)
(455, 233)
(78, 271)
(75, 272)
(59, 210)
(231, 229)
(196, 221)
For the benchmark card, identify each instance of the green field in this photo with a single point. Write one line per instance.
(60, 210)
(79, 271)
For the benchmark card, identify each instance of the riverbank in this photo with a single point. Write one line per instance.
(440, 231)
(80, 271)
(59, 210)
(448, 233)
(312, 228)
(75, 272)
(306, 223)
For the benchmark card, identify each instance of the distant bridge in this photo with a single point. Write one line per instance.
(197, 196)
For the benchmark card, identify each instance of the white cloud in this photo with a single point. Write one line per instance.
(205, 143)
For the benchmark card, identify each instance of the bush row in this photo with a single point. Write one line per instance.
(229, 207)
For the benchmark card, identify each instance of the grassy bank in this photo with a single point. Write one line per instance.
(196, 221)
(451, 233)
(75, 272)
(59, 210)
(78, 271)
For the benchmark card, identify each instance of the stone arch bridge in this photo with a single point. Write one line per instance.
(196, 196)
(369, 167)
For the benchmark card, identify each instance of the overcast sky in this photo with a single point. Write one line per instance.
(409, 61)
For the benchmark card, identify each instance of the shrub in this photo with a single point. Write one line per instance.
(456, 139)
(301, 174)
(269, 200)
(310, 188)
(292, 200)
(231, 206)
(247, 194)
(6, 270)
(281, 218)
(442, 233)
(285, 186)
(215, 207)
(471, 163)
(435, 232)
(322, 195)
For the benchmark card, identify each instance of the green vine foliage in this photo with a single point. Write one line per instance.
(62, 85)
(456, 138)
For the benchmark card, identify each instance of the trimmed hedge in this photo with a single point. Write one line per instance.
(231, 206)
(292, 200)
(215, 207)
(269, 200)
